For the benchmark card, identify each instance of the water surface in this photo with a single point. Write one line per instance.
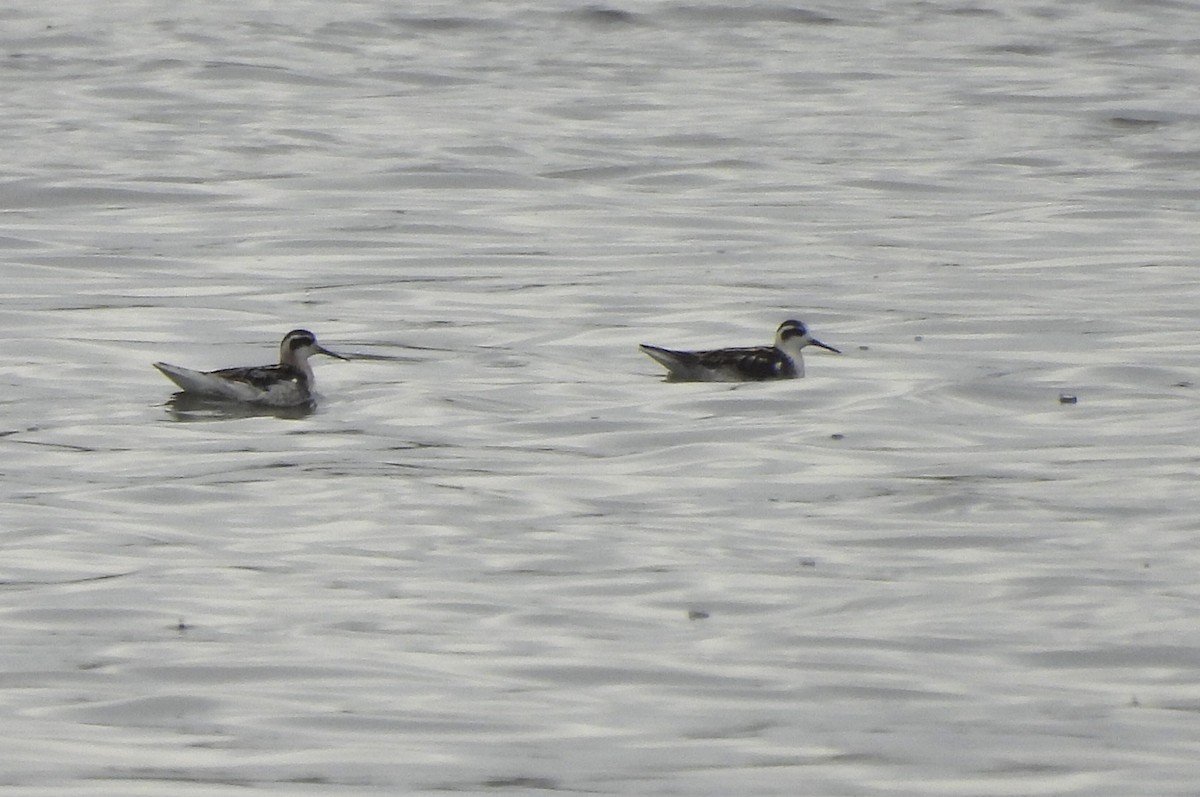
(503, 556)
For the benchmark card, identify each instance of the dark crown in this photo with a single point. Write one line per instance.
(299, 338)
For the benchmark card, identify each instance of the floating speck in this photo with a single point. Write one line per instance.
(837, 436)
(864, 348)
(918, 338)
(808, 562)
(697, 614)
(1067, 398)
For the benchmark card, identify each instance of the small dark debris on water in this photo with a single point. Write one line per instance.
(808, 562)
(918, 338)
(837, 436)
(864, 348)
(1184, 383)
(523, 782)
(1068, 398)
(697, 614)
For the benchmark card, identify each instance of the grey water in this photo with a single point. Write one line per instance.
(503, 555)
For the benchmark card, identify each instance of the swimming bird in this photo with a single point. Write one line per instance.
(751, 364)
(285, 385)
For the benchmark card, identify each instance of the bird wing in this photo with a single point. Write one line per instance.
(755, 362)
(262, 377)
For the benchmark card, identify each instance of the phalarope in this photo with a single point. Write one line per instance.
(755, 363)
(285, 385)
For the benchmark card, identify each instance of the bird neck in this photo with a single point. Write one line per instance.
(299, 362)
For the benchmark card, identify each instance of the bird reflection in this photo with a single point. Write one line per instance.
(189, 408)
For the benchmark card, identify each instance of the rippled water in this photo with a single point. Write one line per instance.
(503, 555)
